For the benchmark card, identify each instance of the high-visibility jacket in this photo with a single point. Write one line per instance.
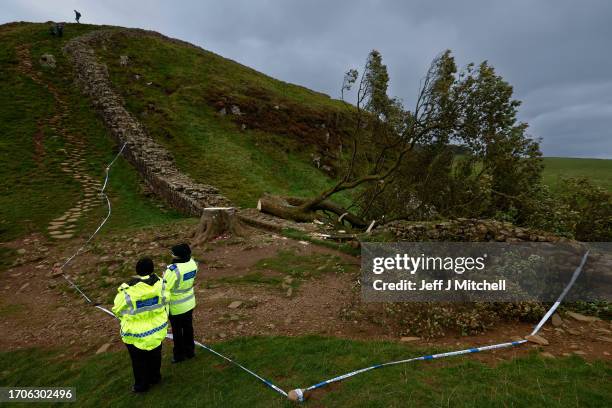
(179, 279)
(140, 305)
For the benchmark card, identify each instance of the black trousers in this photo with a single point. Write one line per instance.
(182, 332)
(146, 365)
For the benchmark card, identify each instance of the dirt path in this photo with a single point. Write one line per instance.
(64, 226)
(39, 309)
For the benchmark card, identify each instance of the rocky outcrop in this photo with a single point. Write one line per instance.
(155, 164)
(466, 230)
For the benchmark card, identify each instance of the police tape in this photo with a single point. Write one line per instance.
(536, 329)
(204, 346)
(266, 382)
(105, 310)
(298, 394)
(211, 350)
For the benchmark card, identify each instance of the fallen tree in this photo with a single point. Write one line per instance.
(303, 210)
(411, 151)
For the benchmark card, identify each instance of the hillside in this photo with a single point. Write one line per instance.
(226, 124)
(47, 128)
(285, 303)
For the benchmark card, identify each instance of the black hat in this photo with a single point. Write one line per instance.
(144, 266)
(181, 251)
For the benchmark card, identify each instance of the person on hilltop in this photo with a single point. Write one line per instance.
(77, 16)
(180, 277)
(57, 29)
(140, 305)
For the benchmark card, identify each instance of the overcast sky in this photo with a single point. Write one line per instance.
(556, 53)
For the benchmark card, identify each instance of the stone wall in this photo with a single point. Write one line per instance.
(155, 164)
(466, 230)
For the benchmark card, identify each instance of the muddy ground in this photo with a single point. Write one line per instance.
(39, 309)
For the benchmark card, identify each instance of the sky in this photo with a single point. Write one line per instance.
(556, 53)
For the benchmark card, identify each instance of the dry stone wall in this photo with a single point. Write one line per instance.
(466, 230)
(155, 164)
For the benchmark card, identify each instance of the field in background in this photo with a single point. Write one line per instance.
(599, 171)
(105, 379)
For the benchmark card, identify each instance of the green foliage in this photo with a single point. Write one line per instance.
(576, 209)
(105, 380)
(436, 319)
(414, 154)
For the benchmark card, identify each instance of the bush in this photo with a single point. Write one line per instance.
(579, 210)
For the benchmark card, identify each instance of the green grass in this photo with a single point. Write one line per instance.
(292, 268)
(211, 148)
(599, 171)
(104, 380)
(289, 263)
(33, 188)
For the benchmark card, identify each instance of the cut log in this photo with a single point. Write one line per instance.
(279, 207)
(292, 208)
(216, 221)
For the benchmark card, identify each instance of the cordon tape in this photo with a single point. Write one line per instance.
(298, 394)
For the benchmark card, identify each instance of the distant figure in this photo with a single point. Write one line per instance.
(57, 29)
(77, 16)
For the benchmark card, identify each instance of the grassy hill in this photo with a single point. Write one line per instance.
(178, 96)
(33, 188)
(226, 124)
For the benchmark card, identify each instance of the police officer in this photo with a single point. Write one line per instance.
(140, 305)
(179, 278)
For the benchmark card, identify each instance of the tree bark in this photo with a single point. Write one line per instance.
(292, 208)
(216, 221)
(279, 207)
(327, 205)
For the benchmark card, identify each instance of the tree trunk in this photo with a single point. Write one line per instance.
(216, 221)
(279, 207)
(327, 205)
(292, 208)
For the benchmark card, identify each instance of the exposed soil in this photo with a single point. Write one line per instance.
(41, 310)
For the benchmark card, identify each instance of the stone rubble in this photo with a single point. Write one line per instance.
(466, 230)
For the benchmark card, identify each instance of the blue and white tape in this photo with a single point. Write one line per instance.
(298, 392)
(465, 351)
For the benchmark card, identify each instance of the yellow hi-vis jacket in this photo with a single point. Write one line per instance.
(140, 306)
(179, 279)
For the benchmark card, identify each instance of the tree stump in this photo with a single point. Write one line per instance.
(214, 222)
